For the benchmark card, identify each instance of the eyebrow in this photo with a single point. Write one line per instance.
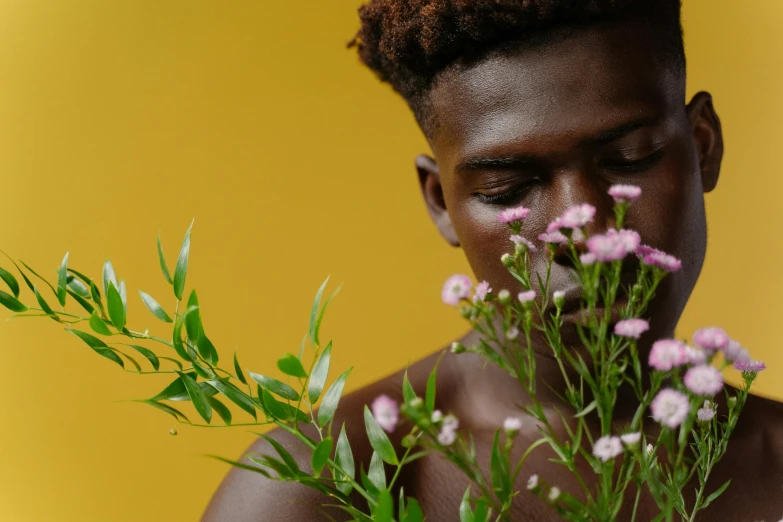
(521, 160)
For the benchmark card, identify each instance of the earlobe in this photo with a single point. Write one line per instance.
(708, 136)
(432, 191)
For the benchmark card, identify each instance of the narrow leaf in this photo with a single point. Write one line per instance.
(289, 461)
(206, 349)
(430, 397)
(10, 280)
(82, 301)
(321, 454)
(109, 277)
(497, 470)
(413, 513)
(97, 345)
(408, 393)
(197, 396)
(344, 458)
(384, 509)
(376, 473)
(116, 308)
(465, 513)
(193, 320)
(292, 366)
(275, 386)
(148, 354)
(378, 439)
(175, 361)
(221, 410)
(36, 274)
(314, 312)
(177, 387)
(75, 284)
(235, 395)
(11, 302)
(319, 374)
(44, 305)
(168, 409)
(718, 492)
(164, 268)
(181, 270)
(238, 369)
(332, 399)
(318, 321)
(153, 306)
(240, 465)
(275, 408)
(99, 325)
(62, 280)
(123, 297)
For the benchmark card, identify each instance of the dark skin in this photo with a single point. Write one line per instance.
(548, 128)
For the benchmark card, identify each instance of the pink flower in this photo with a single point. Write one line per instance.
(577, 216)
(695, 356)
(606, 247)
(750, 366)
(628, 238)
(587, 259)
(633, 328)
(645, 250)
(630, 439)
(662, 261)
(513, 214)
(711, 339)
(743, 356)
(670, 407)
(447, 437)
(625, 193)
(457, 287)
(607, 448)
(482, 289)
(555, 226)
(732, 351)
(555, 237)
(519, 240)
(706, 412)
(526, 297)
(512, 424)
(667, 354)
(703, 380)
(386, 412)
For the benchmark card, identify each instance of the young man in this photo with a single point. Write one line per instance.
(541, 103)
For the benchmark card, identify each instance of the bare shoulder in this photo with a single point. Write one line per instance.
(245, 496)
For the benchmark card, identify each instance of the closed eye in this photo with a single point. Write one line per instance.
(639, 165)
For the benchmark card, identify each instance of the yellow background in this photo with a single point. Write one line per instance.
(120, 117)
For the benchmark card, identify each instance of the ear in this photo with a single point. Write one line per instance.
(432, 190)
(708, 137)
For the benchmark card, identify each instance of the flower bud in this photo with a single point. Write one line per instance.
(532, 482)
(507, 260)
(466, 312)
(511, 426)
(504, 296)
(554, 494)
(408, 441)
(437, 416)
(520, 249)
(559, 299)
(457, 347)
(512, 333)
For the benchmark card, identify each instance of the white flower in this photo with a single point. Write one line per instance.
(532, 482)
(706, 412)
(450, 422)
(447, 437)
(630, 439)
(607, 448)
(650, 449)
(554, 493)
(512, 424)
(437, 416)
(512, 333)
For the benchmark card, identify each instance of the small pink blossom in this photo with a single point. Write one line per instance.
(670, 407)
(694, 356)
(633, 328)
(732, 351)
(743, 356)
(511, 215)
(606, 247)
(645, 250)
(750, 366)
(711, 339)
(512, 424)
(577, 216)
(703, 380)
(450, 422)
(631, 439)
(587, 259)
(447, 437)
(607, 448)
(526, 297)
(706, 412)
(630, 239)
(625, 193)
(554, 238)
(662, 261)
(457, 287)
(667, 354)
(519, 240)
(386, 412)
(482, 289)
(555, 226)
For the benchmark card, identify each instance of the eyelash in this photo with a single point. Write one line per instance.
(504, 198)
(635, 166)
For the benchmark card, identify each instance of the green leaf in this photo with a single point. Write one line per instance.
(109, 277)
(168, 409)
(289, 461)
(376, 473)
(321, 455)
(164, 268)
(44, 305)
(62, 280)
(11, 302)
(179, 364)
(240, 465)
(314, 312)
(76, 286)
(292, 366)
(465, 513)
(275, 386)
(36, 274)
(206, 349)
(235, 395)
(116, 308)
(82, 301)
(97, 345)
(123, 297)
(86, 280)
(408, 393)
(176, 339)
(95, 293)
(221, 410)
(238, 369)
(378, 439)
(193, 320)
(413, 513)
(367, 483)
(99, 325)
(129, 358)
(590, 407)
(148, 354)
(332, 399)
(344, 458)
(177, 387)
(10, 280)
(181, 270)
(384, 509)
(318, 321)
(153, 306)
(197, 396)
(718, 492)
(275, 408)
(319, 374)
(481, 514)
(498, 470)
(430, 397)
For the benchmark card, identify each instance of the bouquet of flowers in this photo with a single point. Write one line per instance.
(677, 433)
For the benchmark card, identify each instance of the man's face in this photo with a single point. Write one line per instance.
(557, 125)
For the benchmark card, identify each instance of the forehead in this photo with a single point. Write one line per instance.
(546, 96)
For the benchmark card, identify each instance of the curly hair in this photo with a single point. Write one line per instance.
(407, 43)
